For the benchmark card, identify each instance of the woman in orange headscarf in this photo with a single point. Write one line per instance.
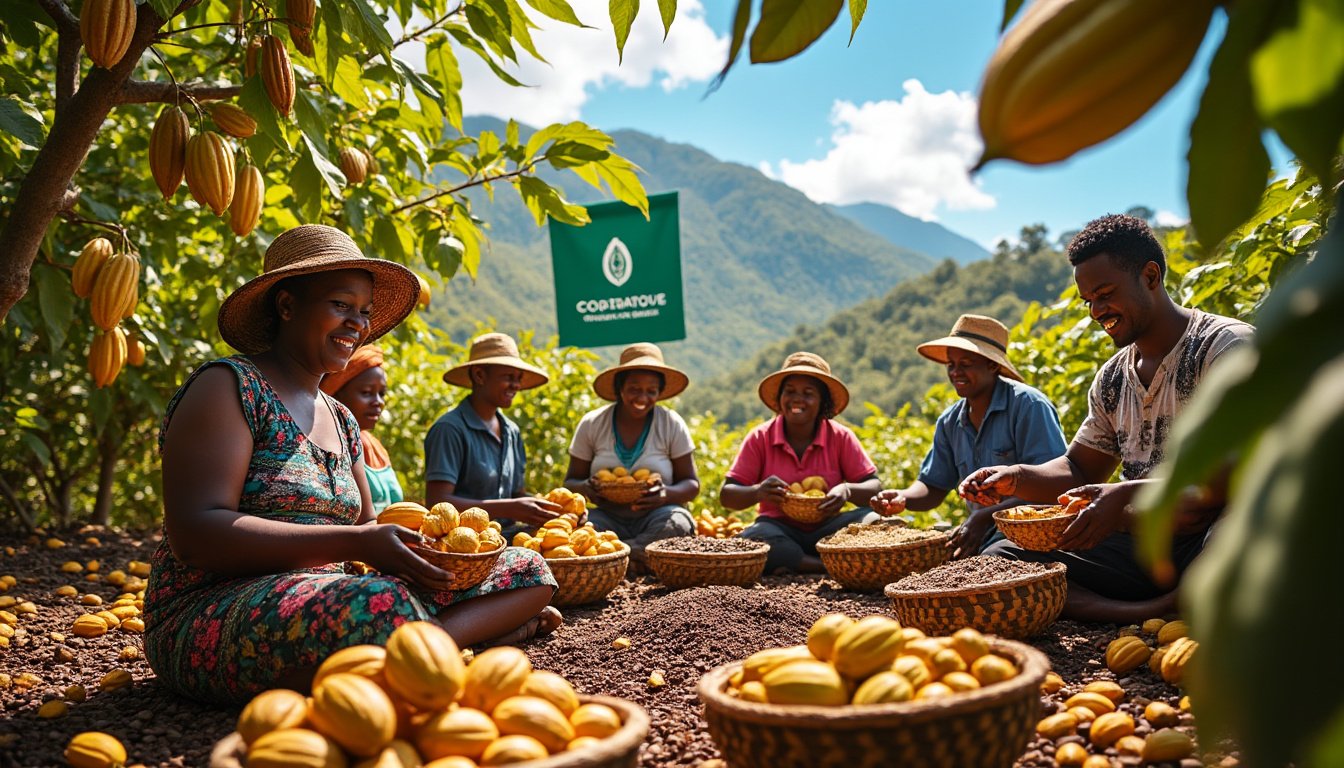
(362, 387)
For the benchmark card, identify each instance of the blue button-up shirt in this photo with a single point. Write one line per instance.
(460, 449)
(1021, 427)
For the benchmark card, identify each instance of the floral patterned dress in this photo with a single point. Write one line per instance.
(221, 638)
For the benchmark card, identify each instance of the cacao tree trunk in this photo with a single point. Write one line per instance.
(109, 444)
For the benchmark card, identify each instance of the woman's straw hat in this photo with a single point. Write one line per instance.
(495, 349)
(806, 364)
(246, 319)
(982, 335)
(643, 356)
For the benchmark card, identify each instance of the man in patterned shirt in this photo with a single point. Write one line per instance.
(1165, 351)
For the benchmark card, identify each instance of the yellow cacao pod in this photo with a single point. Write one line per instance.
(1126, 654)
(1097, 761)
(969, 644)
(423, 303)
(1155, 661)
(1160, 714)
(407, 514)
(1153, 626)
(1130, 745)
(1110, 728)
(95, 253)
(464, 732)
(277, 74)
(1070, 754)
(1176, 658)
(946, 662)
(106, 27)
(270, 711)
(397, 754)
(993, 669)
(493, 676)
(1166, 746)
(135, 353)
(363, 660)
(1052, 683)
(355, 712)
(1073, 73)
(1088, 700)
(233, 120)
(115, 290)
(107, 355)
(210, 169)
(866, 646)
(821, 636)
(884, 688)
(354, 164)
(805, 682)
(92, 749)
(596, 721)
(755, 666)
(294, 748)
(553, 688)
(1107, 688)
(960, 681)
(517, 748)
(452, 761)
(1171, 632)
(248, 196)
(1058, 725)
(424, 666)
(538, 718)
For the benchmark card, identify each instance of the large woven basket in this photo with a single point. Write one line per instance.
(804, 509)
(985, 728)
(869, 568)
(1038, 535)
(695, 569)
(620, 493)
(620, 750)
(468, 570)
(588, 579)
(1015, 608)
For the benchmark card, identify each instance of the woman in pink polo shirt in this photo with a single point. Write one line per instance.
(802, 440)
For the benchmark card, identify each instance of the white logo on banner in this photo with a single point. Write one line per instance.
(616, 263)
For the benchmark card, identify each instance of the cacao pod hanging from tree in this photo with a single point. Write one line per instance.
(251, 56)
(354, 164)
(233, 120)
(106, 27)
(115, 290)
(107, 355)
(95, 253)
(245, 210)
(168, 149)
(210, 171)
(277, 74)
(135, 352)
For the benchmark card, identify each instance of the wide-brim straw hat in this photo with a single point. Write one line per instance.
(641, 357)
(982, 335)
(247, 323)
(805, 364)
(495, 349)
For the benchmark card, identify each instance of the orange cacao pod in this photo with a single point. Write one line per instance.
(91, 259)
(233, 120)
(250, 57)
(168, 149)
(1126, 654)
(210, 171)
(423, 301)
(115, 290)
(93, 749)
(106, 357)
(424, 666)
(270, 711)
(354, 712)
(354, 164)
(277, 74)
(106, 27)
(135, 353)
(300, 15)
(245, 210)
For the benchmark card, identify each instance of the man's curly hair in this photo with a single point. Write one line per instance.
(1126, 239)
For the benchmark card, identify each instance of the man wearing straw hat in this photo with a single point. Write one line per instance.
(474, 454)
(999, 419)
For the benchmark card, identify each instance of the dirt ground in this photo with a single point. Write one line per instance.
(681, 633)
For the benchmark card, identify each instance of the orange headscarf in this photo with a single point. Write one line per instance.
(364, 358)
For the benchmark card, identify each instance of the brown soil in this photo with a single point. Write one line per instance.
(681, 633)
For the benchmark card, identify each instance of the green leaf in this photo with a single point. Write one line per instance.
(567, 154)
(23, 23)
(470, 236)
(493, 30)
(544, 200)
(56, 302)
(788, 27)
(19, 124)
(667, 9)
(622, 177)
(354, 214)
(348, 83)
(623, 13)
(375, 35)
(1298, 76)
(518, 25)
(1010, 9)
(511, 133)
(327, 170)
(856, 10)
(419, 83)
(388, 240)
(164, 8)
(253, 99)
(558, 10)
(741, 20)
(38, 448)
(442, 252)
(308, 111)
(331, 29)
(441, 63)
(474, 45)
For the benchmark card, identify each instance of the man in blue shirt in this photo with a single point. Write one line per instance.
(998, 417)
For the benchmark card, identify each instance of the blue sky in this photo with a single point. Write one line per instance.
(887, 119)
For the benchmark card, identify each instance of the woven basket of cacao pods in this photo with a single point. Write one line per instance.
(692, 561)
(804, 509)
(1037, 527)
(620, 492)
(1016, 606)
(983, 728)
(468, 569)
(619, 750)
(865, 557)
(588, 579)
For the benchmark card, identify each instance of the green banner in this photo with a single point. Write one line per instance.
(618, 279)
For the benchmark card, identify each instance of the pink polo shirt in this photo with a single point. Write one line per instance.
(835, 454)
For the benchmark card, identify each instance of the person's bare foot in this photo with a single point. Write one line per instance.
(544, 623)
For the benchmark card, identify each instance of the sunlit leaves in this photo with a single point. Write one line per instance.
(787, 27)
(623, 13)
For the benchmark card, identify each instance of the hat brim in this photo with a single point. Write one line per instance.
(675, 382)
(936, 351)
(247, 324)
(768, 390)
(460, 375)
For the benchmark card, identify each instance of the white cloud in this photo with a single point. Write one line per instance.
(911, 154)
(584, 60)
(1170, 219)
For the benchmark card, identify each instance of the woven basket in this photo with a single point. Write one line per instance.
(869, 568)
(588, 579)
(619, 750)
(1038, 535)
(695, 569)
(620, 493)
(803, 508)
(1015, 608)
(985, 728)
(468, 570)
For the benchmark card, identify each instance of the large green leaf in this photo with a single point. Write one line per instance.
(788, 27)
(623, 13)
(331, 174)
(667, 9)
(57, 302)
(15, 121)
(374, 33)
(856, 11)
(558, 10)
(441, 63)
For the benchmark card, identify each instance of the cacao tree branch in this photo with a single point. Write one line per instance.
(66, 23)
(469, 183)
(409, 36)
(68, 47)
(20, 509)
(145, 92)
